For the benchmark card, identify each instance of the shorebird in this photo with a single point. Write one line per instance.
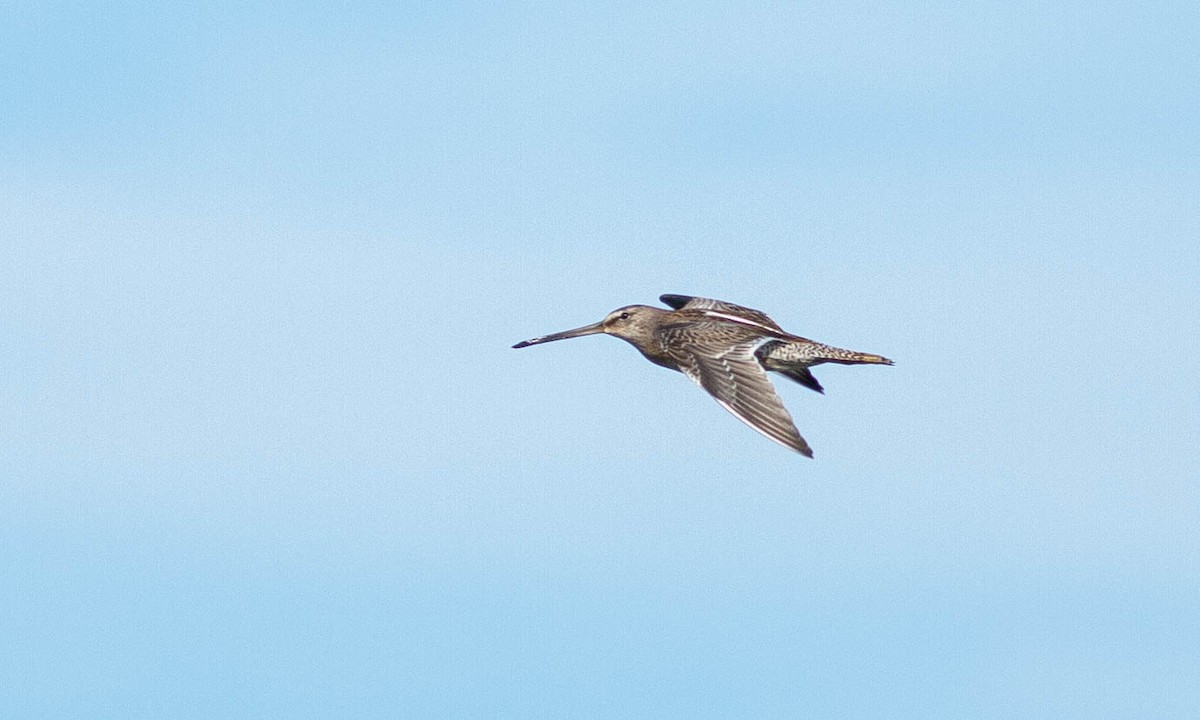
(726, 349)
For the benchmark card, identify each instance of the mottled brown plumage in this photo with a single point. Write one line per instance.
(726, 349)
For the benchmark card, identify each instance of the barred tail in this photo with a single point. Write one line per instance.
(827, 353)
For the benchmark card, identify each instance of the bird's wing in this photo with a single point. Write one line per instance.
(720, 358)
(688, 302)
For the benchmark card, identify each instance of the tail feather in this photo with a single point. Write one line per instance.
(793, 359)
(831, 354)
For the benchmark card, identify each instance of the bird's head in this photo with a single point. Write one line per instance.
(632, 322)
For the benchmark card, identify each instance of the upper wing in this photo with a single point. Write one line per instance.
(720, 358)
(688, 302)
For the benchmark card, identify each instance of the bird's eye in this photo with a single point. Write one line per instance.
(623, 316)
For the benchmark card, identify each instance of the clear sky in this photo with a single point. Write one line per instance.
(265, 450)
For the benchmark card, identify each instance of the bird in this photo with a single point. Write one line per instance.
(726, 349)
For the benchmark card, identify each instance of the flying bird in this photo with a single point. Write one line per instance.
(726, 349)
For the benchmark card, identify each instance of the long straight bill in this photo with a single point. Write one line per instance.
(564, 335)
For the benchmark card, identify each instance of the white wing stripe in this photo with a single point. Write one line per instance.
(739, 320)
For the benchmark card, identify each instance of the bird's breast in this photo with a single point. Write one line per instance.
(654, 351)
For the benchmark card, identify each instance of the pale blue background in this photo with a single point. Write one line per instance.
(265, 450)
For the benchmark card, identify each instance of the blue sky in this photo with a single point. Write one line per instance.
(265, 450)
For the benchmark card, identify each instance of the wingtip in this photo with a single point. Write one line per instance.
(674, 301)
